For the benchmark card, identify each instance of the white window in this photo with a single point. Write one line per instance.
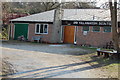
(41, 29)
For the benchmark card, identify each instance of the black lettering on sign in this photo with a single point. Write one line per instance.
(75, 22)
(87, 23)
(81, 23)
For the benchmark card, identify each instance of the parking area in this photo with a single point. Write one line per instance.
(34, 60)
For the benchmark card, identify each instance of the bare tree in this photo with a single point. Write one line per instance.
(1, 14)
(113, 10)
(37, 7)
(78, 5)
(50, 5)
(106, 5)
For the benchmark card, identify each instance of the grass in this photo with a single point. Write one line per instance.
(84, 47)
(108, 65)
(105, 64)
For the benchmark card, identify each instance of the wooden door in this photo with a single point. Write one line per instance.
(69, 34)
(21, 29)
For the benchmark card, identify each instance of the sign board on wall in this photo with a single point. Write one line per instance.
(88, 23)
(85, 32)
(91, 23)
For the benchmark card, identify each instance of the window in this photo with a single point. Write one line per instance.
(46, 28)
(85, 28)
(37, 28)
(107, 29)
(41, 29)
(96, 29)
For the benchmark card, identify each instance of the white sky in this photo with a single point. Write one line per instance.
(100, 2)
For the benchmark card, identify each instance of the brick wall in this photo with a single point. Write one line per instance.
(93, 38)
(31, 33)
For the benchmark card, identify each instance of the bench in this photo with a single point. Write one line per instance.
(106, 53)
(37, 38)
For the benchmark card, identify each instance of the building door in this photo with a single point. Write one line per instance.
(69, 32)
(21, 29)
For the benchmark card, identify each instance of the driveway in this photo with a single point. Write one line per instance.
(33, 60)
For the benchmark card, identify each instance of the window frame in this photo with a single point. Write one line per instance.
(36, 28)
(107, 32)
(86, 26)
(44, 28)
(40, 28)
(96, 26)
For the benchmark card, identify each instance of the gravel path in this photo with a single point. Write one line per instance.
(46, 61)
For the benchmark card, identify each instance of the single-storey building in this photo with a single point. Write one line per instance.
(78, 26)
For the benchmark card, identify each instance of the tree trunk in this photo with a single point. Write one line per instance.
(56, 28)
(113, 10)
(1, 14)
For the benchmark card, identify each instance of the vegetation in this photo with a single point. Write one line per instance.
(37, 7)
(7, 68)
(4, 33)
(107, 65)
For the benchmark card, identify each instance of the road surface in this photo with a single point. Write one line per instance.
(46, 61)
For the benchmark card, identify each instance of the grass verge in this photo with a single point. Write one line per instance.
(108, 65)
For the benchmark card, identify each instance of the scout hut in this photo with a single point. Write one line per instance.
(78, 26)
